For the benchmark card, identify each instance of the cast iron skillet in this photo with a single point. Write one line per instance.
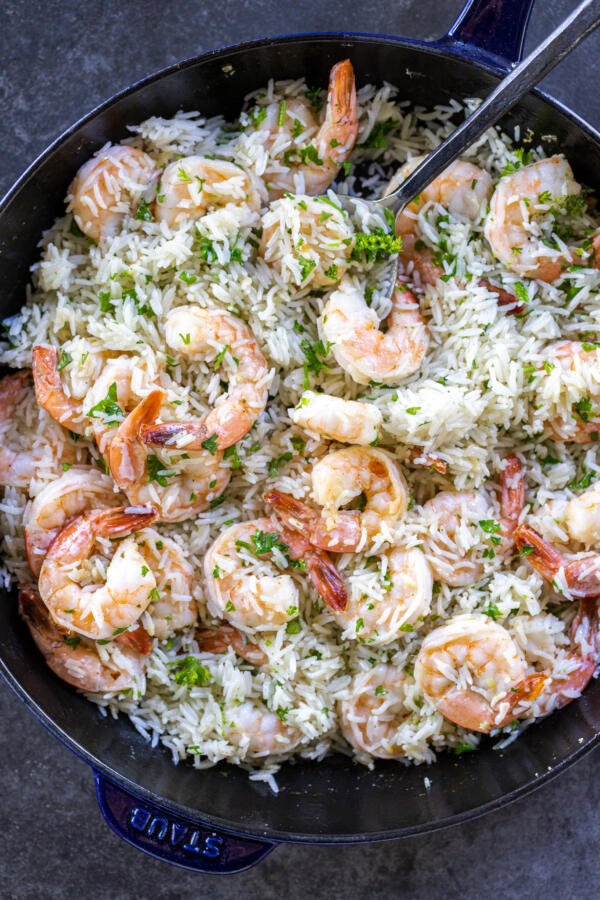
(218, 820)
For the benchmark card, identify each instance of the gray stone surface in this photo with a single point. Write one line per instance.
(58, 59)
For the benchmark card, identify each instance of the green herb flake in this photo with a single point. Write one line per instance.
(65, 359)
(157, 472)
(294, 626)
(211, 443)
(275, 463)
(464, 748)
(143, 212)
(231, 453)
(108, 409)
(190, 672)
(490, 526)
(376, 245)
(281, 113)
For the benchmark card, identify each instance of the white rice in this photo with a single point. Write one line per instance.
(472, 401)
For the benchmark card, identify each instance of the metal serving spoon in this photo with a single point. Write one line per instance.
(518, 82)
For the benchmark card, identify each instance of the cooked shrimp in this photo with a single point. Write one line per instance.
(75, 659)
(582, 516)
(200, 333)
(78, 490)
(254, 595)
(119, 388)
(311, 169)
(16, 466)
(473, 672)
(97, 610)
(308, 240)
(405, 600)
(52, 394)
(258, 732)
(573, 372)
(463, 189)
(361, 473)
(367, 353)
(581, 576)
(513, 227)
(340, 536)
(582, 660)
(450, 541)
(172, 606)
(101, 193)
(346, 421)
(221, 638)
(180, 482)
(371, 718)
(195, 184)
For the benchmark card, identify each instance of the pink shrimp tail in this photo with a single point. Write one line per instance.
(127, 454)
(76, 539)
(166, 433)
(581, 575)
(12, 389)
(136, 639)
(218, 640)
(540, 554)
(343, 537)
(505, 298)
(512, 494)
(327, 580)
(323, 574)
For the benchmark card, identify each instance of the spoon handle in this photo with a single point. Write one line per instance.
(519, 81)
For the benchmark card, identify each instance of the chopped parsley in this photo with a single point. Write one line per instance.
(143, 212)
(275, 463)
(65, 359)
(526, 550)
(211, 443)
(332, 272)
(187, 277)
(375, 245)
(294, 626)
(493, 612)
(232, 454)
(583, 482)
(521, 158)
(378, 136)
(584, 409)
(315, 98)
(190, 671)
(310, 154)
(306, 267)
(314, 355)
(464, 748)
(157, 471)
(108, 409)
(106, 305)
(380, 690)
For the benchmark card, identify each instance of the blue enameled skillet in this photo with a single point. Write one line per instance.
(218, 820)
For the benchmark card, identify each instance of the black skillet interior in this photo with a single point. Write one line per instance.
(334, 799)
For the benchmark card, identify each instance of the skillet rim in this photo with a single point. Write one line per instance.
(445, 48)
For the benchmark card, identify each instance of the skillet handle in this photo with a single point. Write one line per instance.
(491, 31)
(175, 839)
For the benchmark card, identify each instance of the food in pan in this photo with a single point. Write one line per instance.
(263, 509)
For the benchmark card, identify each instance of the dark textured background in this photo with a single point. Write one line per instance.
(57, 60)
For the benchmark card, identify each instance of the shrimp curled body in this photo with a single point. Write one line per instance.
(473, 672)
(367, 353)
